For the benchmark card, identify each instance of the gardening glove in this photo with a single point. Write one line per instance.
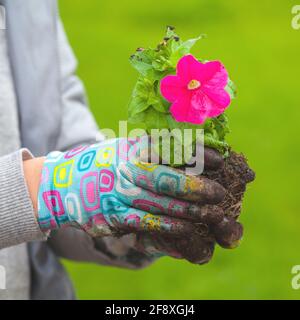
(106, 190)
(194, 248)
(218, 224)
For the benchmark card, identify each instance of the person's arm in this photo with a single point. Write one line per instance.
(20, 176)
(18, 222)
(32, 172)
(108, 250)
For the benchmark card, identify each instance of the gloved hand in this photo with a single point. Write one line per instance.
(218, 223)
(106, 190)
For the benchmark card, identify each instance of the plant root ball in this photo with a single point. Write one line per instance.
(234, 176)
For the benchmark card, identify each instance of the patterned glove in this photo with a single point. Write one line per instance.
(106, 190)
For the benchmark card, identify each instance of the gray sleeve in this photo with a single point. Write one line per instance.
(78, 124)
(79, 127)
(17, 220)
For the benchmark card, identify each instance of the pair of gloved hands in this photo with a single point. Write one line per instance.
(105, 189)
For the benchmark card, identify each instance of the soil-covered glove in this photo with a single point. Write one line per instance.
(195, 248)
(106, 190)
(217, 223)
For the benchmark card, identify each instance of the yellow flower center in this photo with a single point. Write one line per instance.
(194, 84)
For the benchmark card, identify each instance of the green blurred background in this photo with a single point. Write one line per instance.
(255, 41)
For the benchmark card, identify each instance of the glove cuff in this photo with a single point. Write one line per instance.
(56, 177)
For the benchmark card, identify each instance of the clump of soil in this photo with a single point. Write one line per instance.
(219, 223)
(233, 176)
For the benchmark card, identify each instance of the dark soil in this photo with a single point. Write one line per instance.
(234, 176)
(219, 223)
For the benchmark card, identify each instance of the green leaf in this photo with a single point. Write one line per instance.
(154, 119)
(170, 33)
(160, 107)
(183, 49)
(221, 125)
(231, 89)
(142, 62)
(214, 143)
(137, 105)
(140, 96)
(138, 118)
(186, 46)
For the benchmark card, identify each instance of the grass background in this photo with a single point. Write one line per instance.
(255, 41)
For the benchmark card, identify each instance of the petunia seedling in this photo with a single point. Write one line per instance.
(176, 90)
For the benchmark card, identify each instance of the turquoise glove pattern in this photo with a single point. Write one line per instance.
(106, 190)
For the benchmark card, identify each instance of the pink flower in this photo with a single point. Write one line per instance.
(197, 91)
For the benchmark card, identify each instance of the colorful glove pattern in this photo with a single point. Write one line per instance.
(105, 189)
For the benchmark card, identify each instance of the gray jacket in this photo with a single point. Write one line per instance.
(52, 112)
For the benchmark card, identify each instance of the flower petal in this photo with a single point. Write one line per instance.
(195, 117)
(214, 112)
(214, 87)
(180, 108)
(220, 96)
(191, 109)
(189, 68)
(215, 74)
(199, 108)
(171, 88)
(203, 106)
